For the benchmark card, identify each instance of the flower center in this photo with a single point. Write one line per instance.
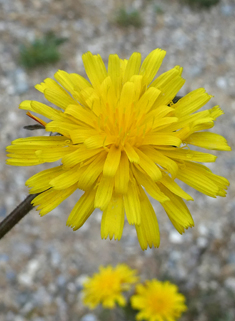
(122, 125)
(158, 304)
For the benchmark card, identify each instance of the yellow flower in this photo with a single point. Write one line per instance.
(106, 287)
(158, 301)
(119, 136)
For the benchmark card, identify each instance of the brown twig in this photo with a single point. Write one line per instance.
(16, 215)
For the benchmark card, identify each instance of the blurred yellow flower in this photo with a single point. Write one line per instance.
(119, 137)
(158, 301)
(106, 287)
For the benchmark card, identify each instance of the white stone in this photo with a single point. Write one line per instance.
(81, 280)
(89, 317)
(175, 237)
(202, 242)
(202, 229)
(221, 83)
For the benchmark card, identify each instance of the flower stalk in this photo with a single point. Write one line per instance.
(16, 215)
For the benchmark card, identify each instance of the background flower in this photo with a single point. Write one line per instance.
(107, 286)
(158, 301)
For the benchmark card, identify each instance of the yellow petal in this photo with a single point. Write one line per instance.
(50, 199)
(157, 113)
(151, 64)
(90, 173)
(153, 138)
(49, 83)
(169, 83)
(176, 209)
(104, 192)
(131, 153)
(79, 155)
(80, 135)
(58, 98)
(163, 123)
(151, 188)
(78, 82)
(137, 81)
(66, 178)
(114, 71)
(188, 120)
(122, 175)
(202, 124)
(147, 100)
(148, 230)
(53, 154)
(108, 96)
(132, 203)
(98, 141)
(209, 141)
(215, 112)
(161, 159)
(113, 218)
(46, 141)
(195, 176)
(149, 166)
(82, 210)
(24, 161)
(64, 79)
(174, 187)
(95, 68)
(132, 67)
(112, 161)
(62, 127)
(126, 99)
(186, 154)
(191, 102)
(27, 149)
(41, 109)
(40, 181)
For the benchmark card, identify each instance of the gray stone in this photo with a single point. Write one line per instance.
(28, 307)
(23, 248)
(227, 10)
(61, 280)
(230, 283)
(231, 258)
(3, 211)
(20, 82)
(4, 258)
(11, 275)
(195, 71)
(22, 298)
(55, 257)
(42, 297)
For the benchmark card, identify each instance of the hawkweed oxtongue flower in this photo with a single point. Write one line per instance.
(158, 301)
(107, 286)
(122, 137)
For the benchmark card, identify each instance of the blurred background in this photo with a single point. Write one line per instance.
(43, 262)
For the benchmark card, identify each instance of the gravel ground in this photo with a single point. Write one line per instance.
(43, 262)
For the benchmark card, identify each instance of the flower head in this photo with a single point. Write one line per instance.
(118, 137)
(106, 287)
(158, 301)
